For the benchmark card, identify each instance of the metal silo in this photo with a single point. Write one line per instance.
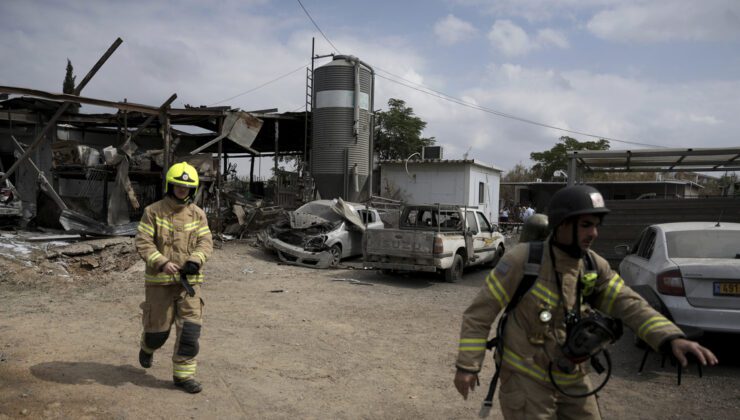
(342, 108)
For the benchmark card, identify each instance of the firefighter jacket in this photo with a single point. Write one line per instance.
(529, 344)
(174, 232)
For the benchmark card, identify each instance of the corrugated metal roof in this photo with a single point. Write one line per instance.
(659, 160)
(440, 162)
(564, 183)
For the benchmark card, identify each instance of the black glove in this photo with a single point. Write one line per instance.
(190, 268)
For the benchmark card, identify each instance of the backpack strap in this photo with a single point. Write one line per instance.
(531, 272)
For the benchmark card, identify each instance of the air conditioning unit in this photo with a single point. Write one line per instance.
(431, 152)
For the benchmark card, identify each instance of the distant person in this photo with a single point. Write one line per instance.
(504, 218)
(528, 212)
(553, 331)
(174, 240)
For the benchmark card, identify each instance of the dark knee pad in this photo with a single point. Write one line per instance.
(155, 340)
(189, 340)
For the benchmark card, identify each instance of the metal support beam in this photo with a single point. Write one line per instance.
(572, 170)
(166, 140)
(145, 124)
(62, 109)
(45, 185)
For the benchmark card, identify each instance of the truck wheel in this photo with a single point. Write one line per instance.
(455, 272)
(497, 256)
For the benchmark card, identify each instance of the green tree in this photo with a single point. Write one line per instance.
(398, 131)
(68, 86)
(549, 161)
(519, 173)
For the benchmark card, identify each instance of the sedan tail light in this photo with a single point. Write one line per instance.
(670, 283)
(438, 246)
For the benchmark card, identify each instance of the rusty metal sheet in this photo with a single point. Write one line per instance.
(240, 127)
(73, 221)
(349, 213)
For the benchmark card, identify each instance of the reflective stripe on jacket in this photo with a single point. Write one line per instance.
(176, 233)
(532, 344)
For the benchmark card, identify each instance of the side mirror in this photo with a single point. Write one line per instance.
(622, 250)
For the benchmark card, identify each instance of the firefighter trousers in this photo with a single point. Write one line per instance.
(163, 306)
(522, 397)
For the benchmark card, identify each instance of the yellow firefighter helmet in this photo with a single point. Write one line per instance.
(182, 174)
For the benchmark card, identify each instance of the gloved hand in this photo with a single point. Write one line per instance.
(190, 268)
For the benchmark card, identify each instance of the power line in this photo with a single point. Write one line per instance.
(442, 95)
(260, 86)
(317, 27)
(461, 102)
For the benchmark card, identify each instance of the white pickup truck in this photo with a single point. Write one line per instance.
(435, 238)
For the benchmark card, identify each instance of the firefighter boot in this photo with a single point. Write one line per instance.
(190, 386)
(145, 359)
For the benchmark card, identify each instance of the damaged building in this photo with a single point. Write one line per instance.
(106, 168)
(95, 172)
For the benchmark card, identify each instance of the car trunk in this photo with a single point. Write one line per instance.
(711, 282)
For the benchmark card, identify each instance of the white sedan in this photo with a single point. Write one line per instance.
(689, 271)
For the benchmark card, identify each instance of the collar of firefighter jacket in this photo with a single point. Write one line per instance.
(564, 263)
(172, 205)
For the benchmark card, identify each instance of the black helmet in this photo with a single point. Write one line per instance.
(575, 201)
(535, 228)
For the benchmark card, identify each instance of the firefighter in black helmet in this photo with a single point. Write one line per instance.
(539, 377)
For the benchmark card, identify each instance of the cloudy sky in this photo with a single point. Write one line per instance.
(656, 72)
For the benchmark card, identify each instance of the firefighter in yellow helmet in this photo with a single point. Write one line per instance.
(175, 242)
(563, 316)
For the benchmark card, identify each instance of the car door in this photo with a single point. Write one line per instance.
(488, 245)
(628, 265)
(472, 240)
(643, 274)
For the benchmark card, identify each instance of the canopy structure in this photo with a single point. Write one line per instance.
(654, 160)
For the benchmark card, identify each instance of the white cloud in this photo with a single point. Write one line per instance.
(667, 20)
(452, 30)
(547, 37)
(536, 10)
(704, 119)
(512, 40)
(672, 115)
(509, 38)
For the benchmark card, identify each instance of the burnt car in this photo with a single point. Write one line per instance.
(321, 233)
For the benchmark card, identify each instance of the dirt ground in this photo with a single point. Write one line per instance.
(279, 342)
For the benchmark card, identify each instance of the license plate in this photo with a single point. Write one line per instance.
(727, 289)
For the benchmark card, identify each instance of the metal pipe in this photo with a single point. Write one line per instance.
(371, 146)
(218, 182)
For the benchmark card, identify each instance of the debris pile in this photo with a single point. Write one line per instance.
(108, 254)
(10, 204)
(242, 216)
